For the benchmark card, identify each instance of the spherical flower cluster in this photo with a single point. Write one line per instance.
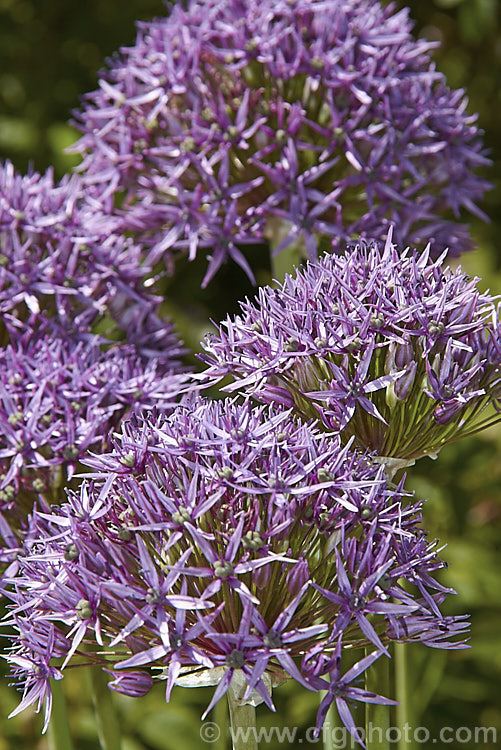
(397, 350)
(65, 271)
(58, 399)
(291, 122)
(69, 291)
(225, 543)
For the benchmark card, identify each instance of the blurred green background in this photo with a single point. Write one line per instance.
(50, 52)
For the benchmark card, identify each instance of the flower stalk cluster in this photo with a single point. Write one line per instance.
(226, 540)
(302, 123)
(394, 349)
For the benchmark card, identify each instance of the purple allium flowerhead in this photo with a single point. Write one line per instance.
(58, 399)
(288, 122)
(63, 269)
(229, 545)
(397, 350)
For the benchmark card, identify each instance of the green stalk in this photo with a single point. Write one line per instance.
(332, 721)
(221, 721)
(403, 712)
(58, 732)
(108, 727)
(377, 717)
(243, 724)
(276, 231)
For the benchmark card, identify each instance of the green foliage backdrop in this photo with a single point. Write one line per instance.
(50, 53)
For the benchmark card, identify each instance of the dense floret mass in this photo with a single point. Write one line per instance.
(225, 541)
(291, 122)
(395, 349)
(82, 339)
(58, 399)
(64, 271)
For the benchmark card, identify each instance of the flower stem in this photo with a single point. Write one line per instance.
(403, 711)
(243, 724)
(221, 721)
(377, 717)
(283, 262)
(108, 727)
(59, 732)
(331, 722)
